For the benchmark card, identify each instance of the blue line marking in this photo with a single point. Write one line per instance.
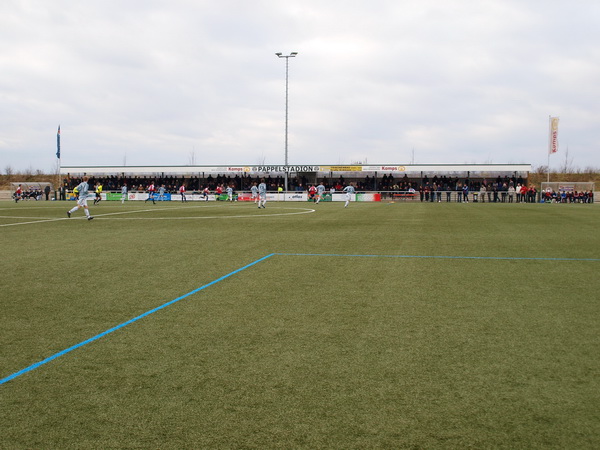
(135, 319)
(443, 257)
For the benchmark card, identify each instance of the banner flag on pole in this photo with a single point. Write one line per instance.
(58, 143)
(553, 137)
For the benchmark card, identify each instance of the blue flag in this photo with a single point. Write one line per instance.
(58, 143)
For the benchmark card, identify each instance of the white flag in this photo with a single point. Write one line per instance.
(553, 137)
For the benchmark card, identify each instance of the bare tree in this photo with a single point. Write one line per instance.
(28, 174)
(567, 166)
(192, 157)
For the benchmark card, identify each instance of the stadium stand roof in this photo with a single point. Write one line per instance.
(279, 169)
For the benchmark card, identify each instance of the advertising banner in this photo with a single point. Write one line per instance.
(295, 197)
(384, 169)
(245, 197)
(341, 168)
(166, 197)
(371, 197)
(553, 138)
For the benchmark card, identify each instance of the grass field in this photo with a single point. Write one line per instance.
(402, 325)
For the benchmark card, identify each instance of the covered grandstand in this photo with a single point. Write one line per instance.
(380, 177)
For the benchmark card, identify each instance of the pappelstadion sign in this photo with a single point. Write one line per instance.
(288, 169)
(285, 169)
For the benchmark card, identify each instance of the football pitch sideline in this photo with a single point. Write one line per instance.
(379, 325)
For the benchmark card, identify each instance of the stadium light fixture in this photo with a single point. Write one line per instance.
(287, 58)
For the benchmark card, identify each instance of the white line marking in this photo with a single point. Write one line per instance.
(105, 216)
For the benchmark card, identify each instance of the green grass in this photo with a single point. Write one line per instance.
(299, 351)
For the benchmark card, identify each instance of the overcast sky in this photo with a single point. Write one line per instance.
(172, 82)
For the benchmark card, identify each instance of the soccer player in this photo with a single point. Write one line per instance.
(151, 190)
(123, 193)
(182, 193)
(229, 193)
(83, 190)
(349, 190)
(205, 192)
(18, 194)
(98, 193)
(312, 192)
(320, 192)
(218, 192)
(254, 191)
(161, 192)
(262, 193)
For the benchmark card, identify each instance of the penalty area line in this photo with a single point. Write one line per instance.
(129, 322)
(496, 258)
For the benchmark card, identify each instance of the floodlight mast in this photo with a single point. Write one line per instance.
(287, 58)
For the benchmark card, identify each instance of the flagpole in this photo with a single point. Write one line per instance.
(58, 183)
(549, 143)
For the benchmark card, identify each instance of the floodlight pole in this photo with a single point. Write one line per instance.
(287, 58)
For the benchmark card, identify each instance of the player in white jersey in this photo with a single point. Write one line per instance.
(229, 193)
(123, 193)
(349, 190)
(262, 194)
(161, 192)
(83, 190)
(320, 192)
(254, 191)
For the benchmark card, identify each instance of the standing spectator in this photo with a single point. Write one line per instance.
(47, 192)
(532, 194)
(503, 192)
(524, 193)
(465, 191)
(459, 192)
(496, 197)
(482, 193)
(511, 193)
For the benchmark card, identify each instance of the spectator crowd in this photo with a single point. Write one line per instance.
(435, 189)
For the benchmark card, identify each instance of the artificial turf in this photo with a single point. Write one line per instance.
(380, 325)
